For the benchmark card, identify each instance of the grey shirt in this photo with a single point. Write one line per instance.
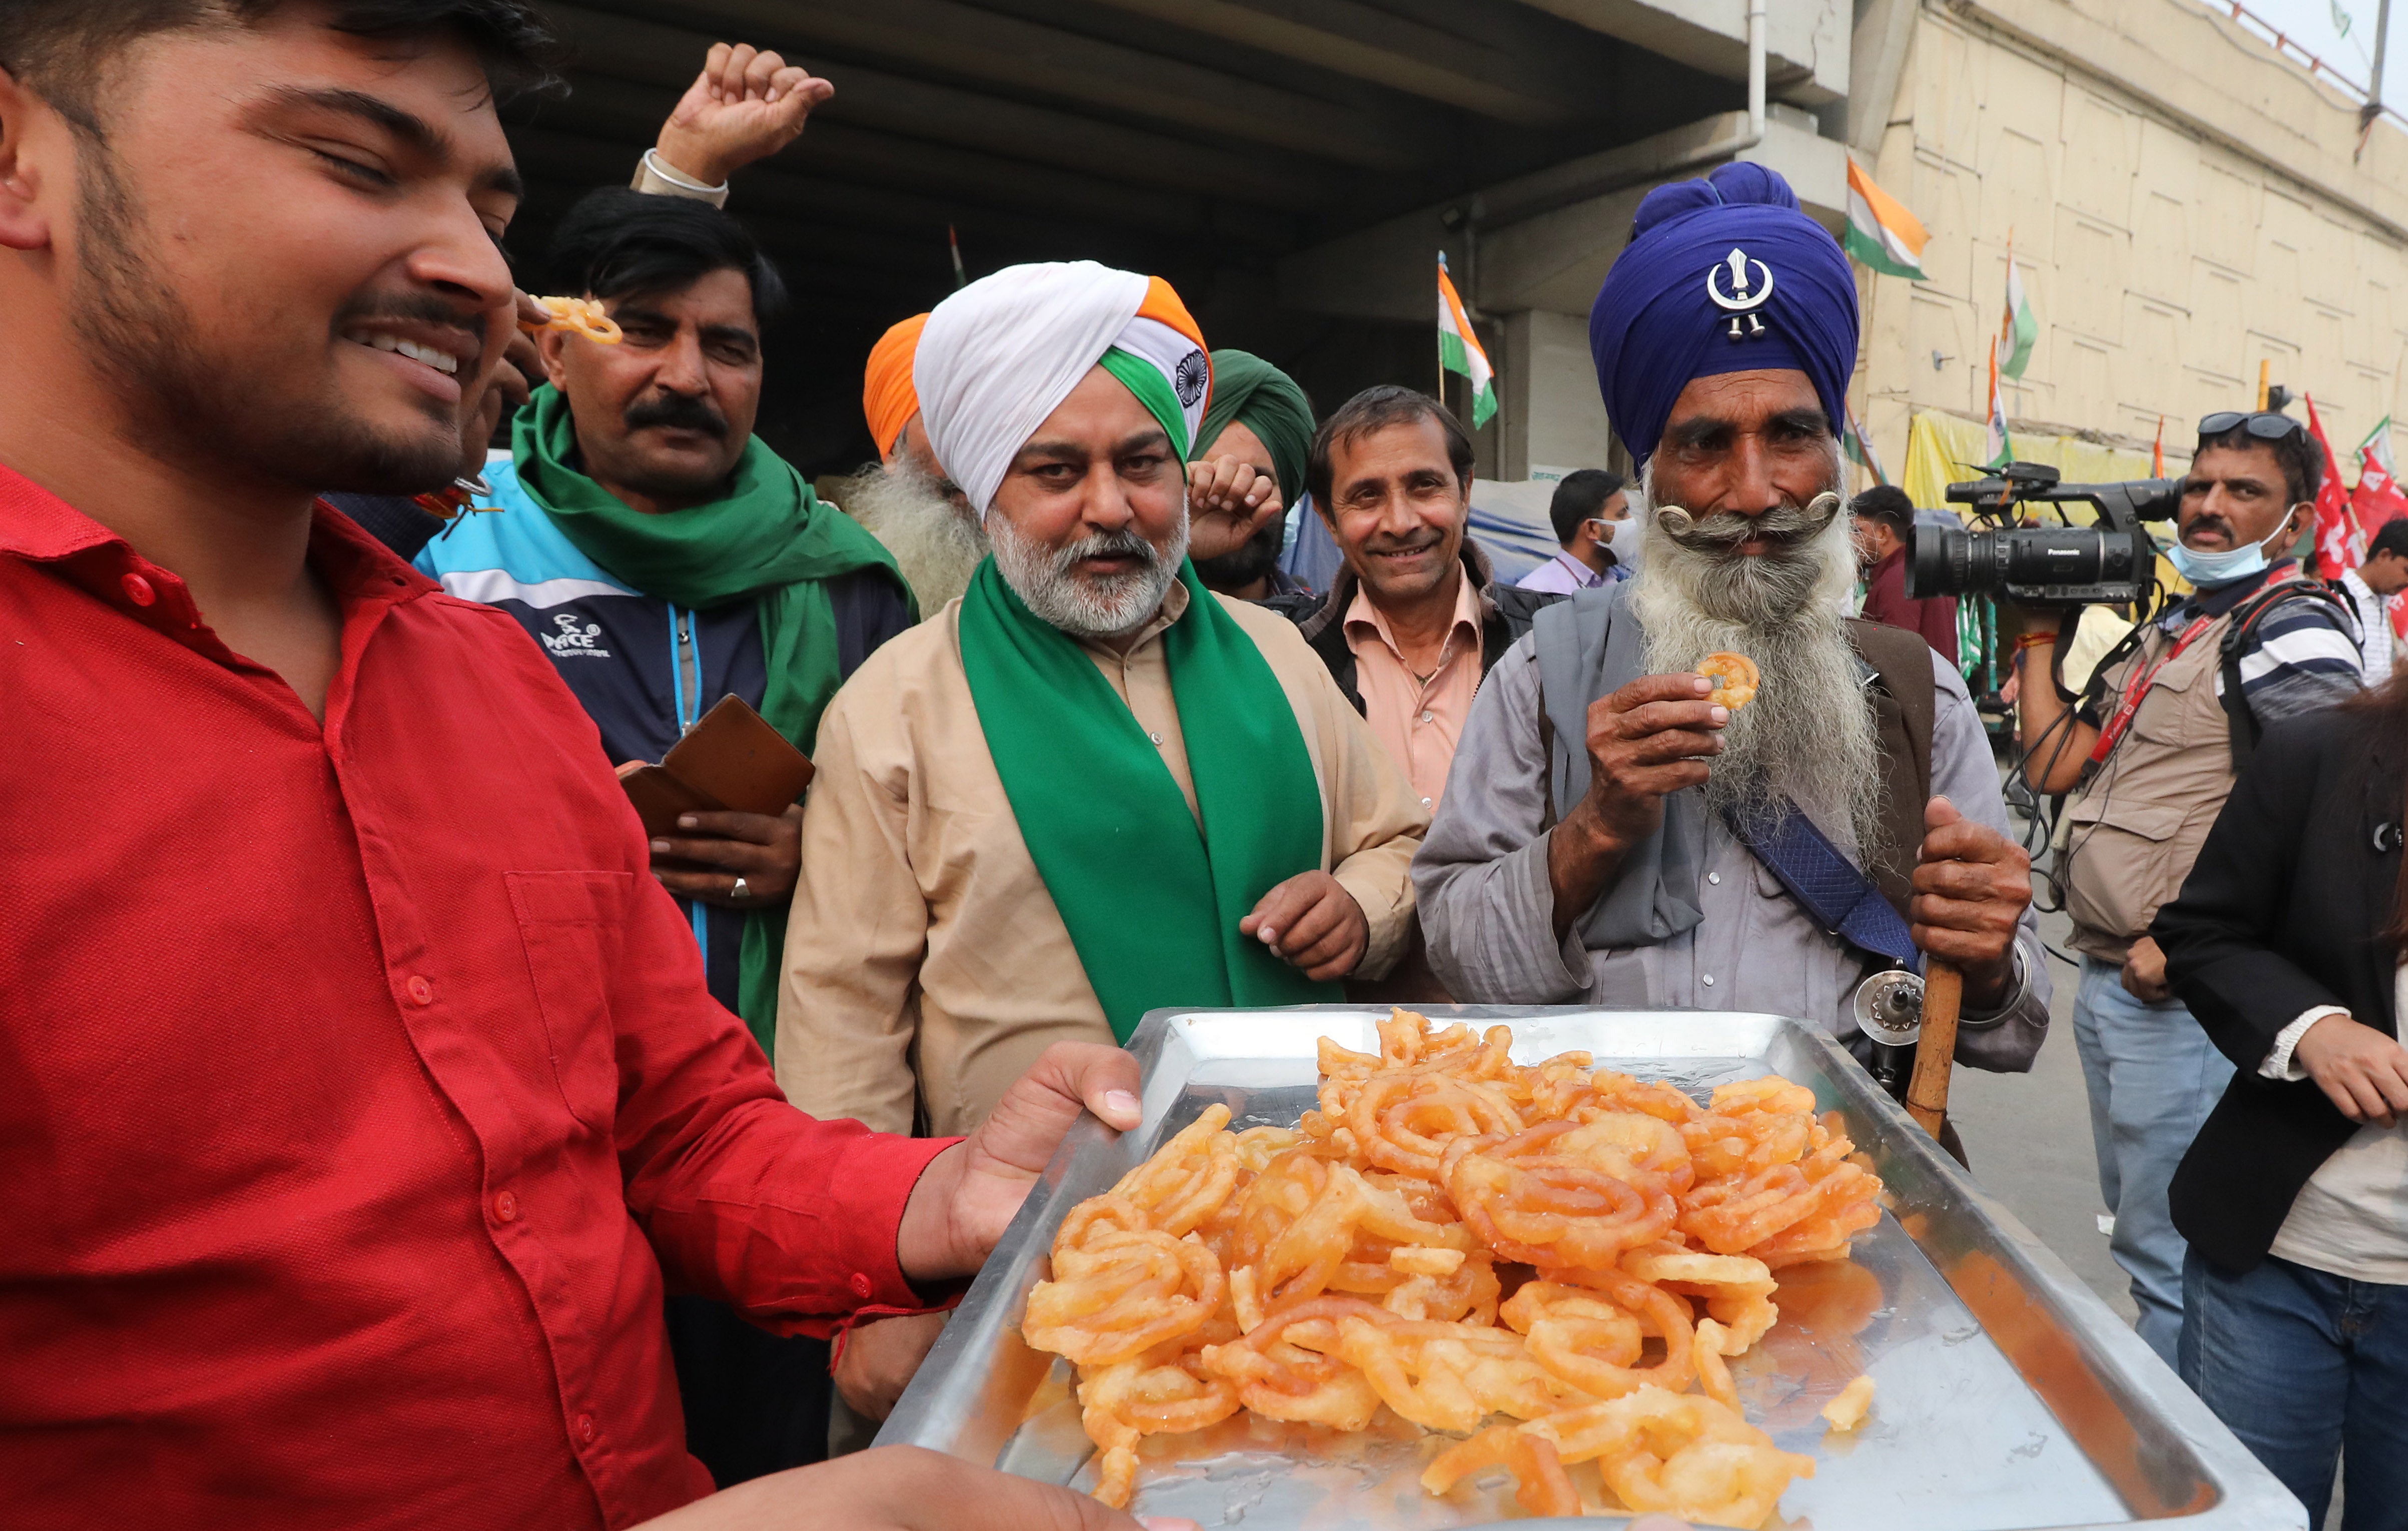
(1489, 911)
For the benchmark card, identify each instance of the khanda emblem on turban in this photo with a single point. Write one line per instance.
(1742, 300)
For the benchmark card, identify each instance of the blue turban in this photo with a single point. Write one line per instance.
(1702, 254)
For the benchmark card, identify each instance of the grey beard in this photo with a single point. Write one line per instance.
(1084, 607)
(1808, 734)
(935, 546)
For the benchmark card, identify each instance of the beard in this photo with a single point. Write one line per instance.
(1250, 561)
(141, 337)
(1808, 734)
(1083, 605)
(936, 546)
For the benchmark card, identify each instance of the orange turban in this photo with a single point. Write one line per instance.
(887, 396)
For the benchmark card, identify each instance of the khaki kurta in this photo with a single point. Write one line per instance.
(924, 959)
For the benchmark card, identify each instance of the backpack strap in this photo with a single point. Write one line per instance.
(1906, 704)
(2239, 636)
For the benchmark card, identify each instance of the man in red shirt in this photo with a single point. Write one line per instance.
(1884, 517)
(362, 1089)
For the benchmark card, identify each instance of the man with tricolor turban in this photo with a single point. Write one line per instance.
(1090, 789)
(1615, 831)
(903, 499)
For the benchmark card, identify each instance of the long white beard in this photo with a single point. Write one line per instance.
(935, 546)
(1809, 733)
(1079, 605)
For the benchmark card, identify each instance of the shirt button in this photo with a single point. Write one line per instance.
(1425, 802)
(1156, 738)
(861, 1285)
(420, 991)
(1715, 878)
(138, 591)
(585, 1427)
(1426, 717)
(1708, 981)
(505, 1207)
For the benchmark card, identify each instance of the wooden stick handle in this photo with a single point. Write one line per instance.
(1926, 1092)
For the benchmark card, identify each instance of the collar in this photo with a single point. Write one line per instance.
(37, 526)
(2222, 598)
(1589, 579)
(1367, 620)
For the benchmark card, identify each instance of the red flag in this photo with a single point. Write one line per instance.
(2157, 451)
(2378, 497)
(2341, 545)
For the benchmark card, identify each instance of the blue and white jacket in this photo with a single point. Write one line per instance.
(645, 669)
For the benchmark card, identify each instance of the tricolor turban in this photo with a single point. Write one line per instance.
(1721, 275)
(1002, 353)
(1249, 391)
(888, 400)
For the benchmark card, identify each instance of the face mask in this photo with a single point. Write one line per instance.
(1621, 539)
(2207, 570)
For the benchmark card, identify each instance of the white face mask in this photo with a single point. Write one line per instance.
(1620, 538)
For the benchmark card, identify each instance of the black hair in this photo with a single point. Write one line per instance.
(2390, 537)
(618, 243)
(1886, 504)
(1580, 497)
(2295, 453)
(58, 49)
(1376, 410)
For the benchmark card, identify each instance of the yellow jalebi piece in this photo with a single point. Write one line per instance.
(1362, 1260)
(579, 315)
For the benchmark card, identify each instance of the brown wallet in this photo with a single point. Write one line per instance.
(731, 760)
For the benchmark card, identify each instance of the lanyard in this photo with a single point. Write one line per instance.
(2137, 690)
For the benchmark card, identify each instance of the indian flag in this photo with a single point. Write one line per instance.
(1458, 348)
(2019, 329)
(2001, 445)
(1881, 234)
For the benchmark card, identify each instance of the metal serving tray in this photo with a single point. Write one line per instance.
(2009, 1396)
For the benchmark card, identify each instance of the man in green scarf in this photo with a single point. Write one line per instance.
(1089, 789)
(664, 558)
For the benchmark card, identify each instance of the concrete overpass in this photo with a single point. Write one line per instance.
(1292, 165)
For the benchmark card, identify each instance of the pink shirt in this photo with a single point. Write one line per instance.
(1416, 720)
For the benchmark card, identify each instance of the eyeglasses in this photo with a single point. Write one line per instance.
(2265, 425)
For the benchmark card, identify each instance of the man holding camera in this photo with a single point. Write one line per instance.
(2149, 752)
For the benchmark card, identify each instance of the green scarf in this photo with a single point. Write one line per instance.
(770, 540)
(1152, 905)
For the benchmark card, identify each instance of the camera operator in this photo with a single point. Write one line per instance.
(2149, 753)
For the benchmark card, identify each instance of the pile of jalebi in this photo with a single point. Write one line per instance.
(1458, 1236)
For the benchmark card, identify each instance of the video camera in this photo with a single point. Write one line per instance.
(2113, 563)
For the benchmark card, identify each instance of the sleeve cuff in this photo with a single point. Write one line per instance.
(656, 177)
(871, 1182)
(2278, 1063)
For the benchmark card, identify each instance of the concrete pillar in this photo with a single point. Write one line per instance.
(1548, 415)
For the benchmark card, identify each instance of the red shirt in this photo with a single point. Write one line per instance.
(1886, 602)
(361, 1085)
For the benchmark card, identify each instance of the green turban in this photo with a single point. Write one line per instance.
(1247, 389)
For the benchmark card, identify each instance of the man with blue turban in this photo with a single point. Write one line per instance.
(1613, 832)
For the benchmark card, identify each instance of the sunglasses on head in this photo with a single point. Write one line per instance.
(2265, 425)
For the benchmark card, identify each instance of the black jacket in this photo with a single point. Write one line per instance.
(2283, 912)
(1505, 614)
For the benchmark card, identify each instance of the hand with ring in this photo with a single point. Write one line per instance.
(735, 861)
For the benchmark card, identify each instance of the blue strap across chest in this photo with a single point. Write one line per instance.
(1817, 874)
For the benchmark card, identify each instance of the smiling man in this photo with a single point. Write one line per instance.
(372, 1085)
(2150, 758)
(1090, 788)
(1609, 835)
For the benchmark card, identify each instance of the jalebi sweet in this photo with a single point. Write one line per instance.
(1544, 1259)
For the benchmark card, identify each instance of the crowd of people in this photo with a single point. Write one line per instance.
(408, 1137)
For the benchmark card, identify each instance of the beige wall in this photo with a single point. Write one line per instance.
(2182, 203)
